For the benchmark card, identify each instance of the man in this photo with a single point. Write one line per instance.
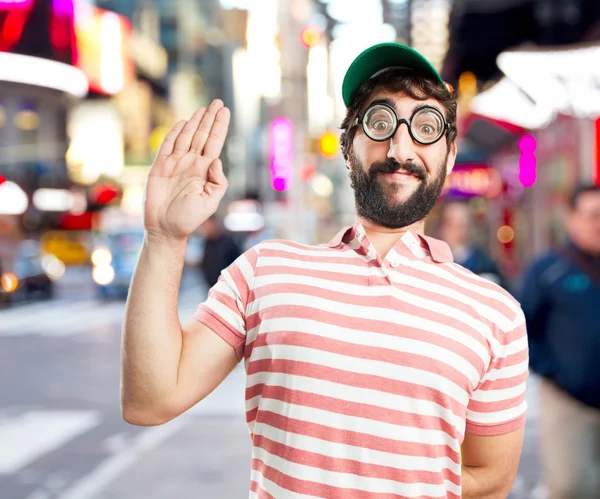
(561, 300)
(455, 229)
(220, 250)
(370, 360)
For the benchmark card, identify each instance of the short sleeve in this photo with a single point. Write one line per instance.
(224, 311)
(498, 404)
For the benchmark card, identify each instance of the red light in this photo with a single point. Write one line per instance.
(105, 193)
(2, 179)
(307, 172)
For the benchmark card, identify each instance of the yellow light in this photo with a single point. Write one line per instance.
(157, 136)
(467, 84)
(505, 234)
(103, 274)
(101, 256)
(310, 35)
(2, 117)
(329, 145)
(27, 120)
(9, 282)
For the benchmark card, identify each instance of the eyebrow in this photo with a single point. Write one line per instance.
(389, 102)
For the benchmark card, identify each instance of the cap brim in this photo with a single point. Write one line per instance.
(382, 56)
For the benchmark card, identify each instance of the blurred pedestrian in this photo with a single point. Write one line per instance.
(456, 224)
(220, 249)
(561, 301)
(373, 361)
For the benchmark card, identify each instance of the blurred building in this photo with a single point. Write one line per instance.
(39, 84)
(528, 115)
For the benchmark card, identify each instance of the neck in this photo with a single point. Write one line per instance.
(384, 239)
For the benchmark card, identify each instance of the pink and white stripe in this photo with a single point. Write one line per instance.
(364, 374)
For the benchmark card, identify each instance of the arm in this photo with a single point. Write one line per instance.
(489, 464)
(167, 368)
(496, 418)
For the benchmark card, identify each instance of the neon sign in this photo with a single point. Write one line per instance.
(473, 180)
(24, 32)
(6, 4)
(282, 153)
(527, 160)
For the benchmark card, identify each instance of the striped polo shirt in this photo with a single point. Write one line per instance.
(363, 374)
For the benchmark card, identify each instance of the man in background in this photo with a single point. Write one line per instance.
(561, 302)
(455, 229)
(220, 250)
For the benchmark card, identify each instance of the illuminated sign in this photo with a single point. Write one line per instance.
(527, 160)
(282, 153)
(473, 180)
(34, 28)
(104, 44)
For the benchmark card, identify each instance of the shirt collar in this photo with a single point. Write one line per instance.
(439, 250)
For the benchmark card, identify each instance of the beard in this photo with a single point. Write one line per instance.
(374, 204)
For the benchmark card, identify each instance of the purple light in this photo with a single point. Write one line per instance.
(282, 153)
(279, 184)
(527, 161)
(7, 4)
(527, 144)
(64, 7)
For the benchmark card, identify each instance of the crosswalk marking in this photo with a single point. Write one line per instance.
(25, 438)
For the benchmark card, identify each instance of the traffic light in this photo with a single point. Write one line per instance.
(310, 35)
(329, 145)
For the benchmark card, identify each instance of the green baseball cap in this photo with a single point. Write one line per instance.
(380, 57)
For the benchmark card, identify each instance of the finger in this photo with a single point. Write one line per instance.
(205, 126)
(166, 148)
(216, 137)
(184, 140)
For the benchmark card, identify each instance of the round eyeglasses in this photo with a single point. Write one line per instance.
(426, 126)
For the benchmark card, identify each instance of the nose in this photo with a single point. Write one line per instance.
(402, 147)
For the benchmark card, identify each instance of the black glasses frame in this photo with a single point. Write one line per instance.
(361, 119)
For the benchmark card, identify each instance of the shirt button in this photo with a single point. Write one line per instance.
(395, 264)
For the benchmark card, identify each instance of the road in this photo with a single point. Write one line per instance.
(61, 434)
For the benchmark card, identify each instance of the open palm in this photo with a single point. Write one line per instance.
(186, 181)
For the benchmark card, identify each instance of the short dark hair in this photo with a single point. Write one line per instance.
(579, 191)
(413, 84)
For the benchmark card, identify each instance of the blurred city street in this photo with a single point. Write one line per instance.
(128, 124)
(61, 430)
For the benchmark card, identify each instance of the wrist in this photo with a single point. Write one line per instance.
(152, 240)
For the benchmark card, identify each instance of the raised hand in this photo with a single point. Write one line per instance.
(186, 181)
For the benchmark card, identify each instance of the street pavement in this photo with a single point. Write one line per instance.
(61, 433)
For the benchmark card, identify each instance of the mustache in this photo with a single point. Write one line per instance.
(394, 166)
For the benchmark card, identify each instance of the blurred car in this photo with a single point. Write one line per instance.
(113, 261)
(29, 275)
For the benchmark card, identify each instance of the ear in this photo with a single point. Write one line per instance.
(451, 158)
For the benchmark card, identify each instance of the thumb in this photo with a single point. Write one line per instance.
(215, 175)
